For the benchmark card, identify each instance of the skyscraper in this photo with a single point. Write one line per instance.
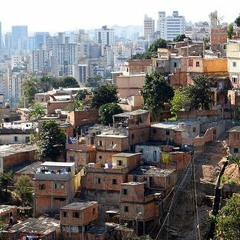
(1, 35)
(19, 37)
(170, 26)
(149, 27)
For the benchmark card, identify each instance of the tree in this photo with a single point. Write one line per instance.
(47, 83)
(106, 112)
(181, 38)
(68, 82)
(5, 179)
(181, 100)
(94, 81)
(200, 93)
(24, 189)
(106, 93)
(237, 21)
(230, 31)
(228, 219)
(29, 90)
(159, 43)
(156, 92)
(36, 111)
(52, 140)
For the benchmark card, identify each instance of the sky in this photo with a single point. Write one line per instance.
(71, 15)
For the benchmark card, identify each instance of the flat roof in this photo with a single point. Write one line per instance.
(6, 150)
(152, 171)
(4, 208)
(42, 225)
(174, 124)
(58, 164)
(234, 129)
(79, 205)
(128, 114)
(112, 135)
(123, 154)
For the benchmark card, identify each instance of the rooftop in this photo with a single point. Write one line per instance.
(128, 114)
(42, 225)
(5, 208)
(79, 205)
(152, 171)
(6, 150)
(57, 164)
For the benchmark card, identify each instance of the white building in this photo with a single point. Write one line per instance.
(170, 26)
(104, 36)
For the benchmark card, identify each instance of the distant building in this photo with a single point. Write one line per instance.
(149, 27)
(170, 26)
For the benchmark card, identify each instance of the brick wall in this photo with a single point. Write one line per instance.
(84, 117)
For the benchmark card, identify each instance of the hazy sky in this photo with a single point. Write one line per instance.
(56, 16)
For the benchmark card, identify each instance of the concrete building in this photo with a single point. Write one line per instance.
(105, 37)
(234, 141)
(170, 26)
(19, 37)
(149, 28)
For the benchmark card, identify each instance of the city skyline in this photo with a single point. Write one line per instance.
(72, 15)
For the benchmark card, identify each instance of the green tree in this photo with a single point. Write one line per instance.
(106, 93)
(181, 38)
(81, 94)
(200, 93)
(106, 112)
(228, 219)
(230, 31)
(24, 189)
(68, 82)
(181, 100)
(237, 21)
(5, 179)
(47, 83)
(146, 55)
(159, 43)
(36, 110)
(156, 92)
(94, 81)
(52, 140)
(29, 89)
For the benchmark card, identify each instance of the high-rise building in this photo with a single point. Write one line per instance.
(40, 38)
(19, 37)
(149, 27)
(170, 26)
(1, 43)
(104, 36)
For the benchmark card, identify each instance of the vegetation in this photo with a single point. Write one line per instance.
(36, 111)
(94, 81)
(181, 38)
(156, 92)
(228, 219)
(5, 179)
(152, 50)
(106, 112)
(106, 93)
(52, 140)
(23, 188)
(230, 31)
(68, 82)
(237, 21)
(181, 100)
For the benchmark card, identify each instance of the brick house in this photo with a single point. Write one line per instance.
(15, 154)
(234, 141)
(138, 205)
(54, 187)
(76, 218)
(8, 214)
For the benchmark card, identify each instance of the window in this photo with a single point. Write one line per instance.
(119, 162)
(154, 130)
(234, 64)
(42, 186)
(114, 181)
(27, 139)
(126, 209)
(132, 136)
(197, 64)
(234, 79)
(72, 159)
(15, 138)
(75, 214)
(235, 150)
(99, 180)
(167, 132)
(135, 178)
(175, 64)
(94, 211)
(194, 129)
(64, 214)
(124, 191)
(100, 143)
